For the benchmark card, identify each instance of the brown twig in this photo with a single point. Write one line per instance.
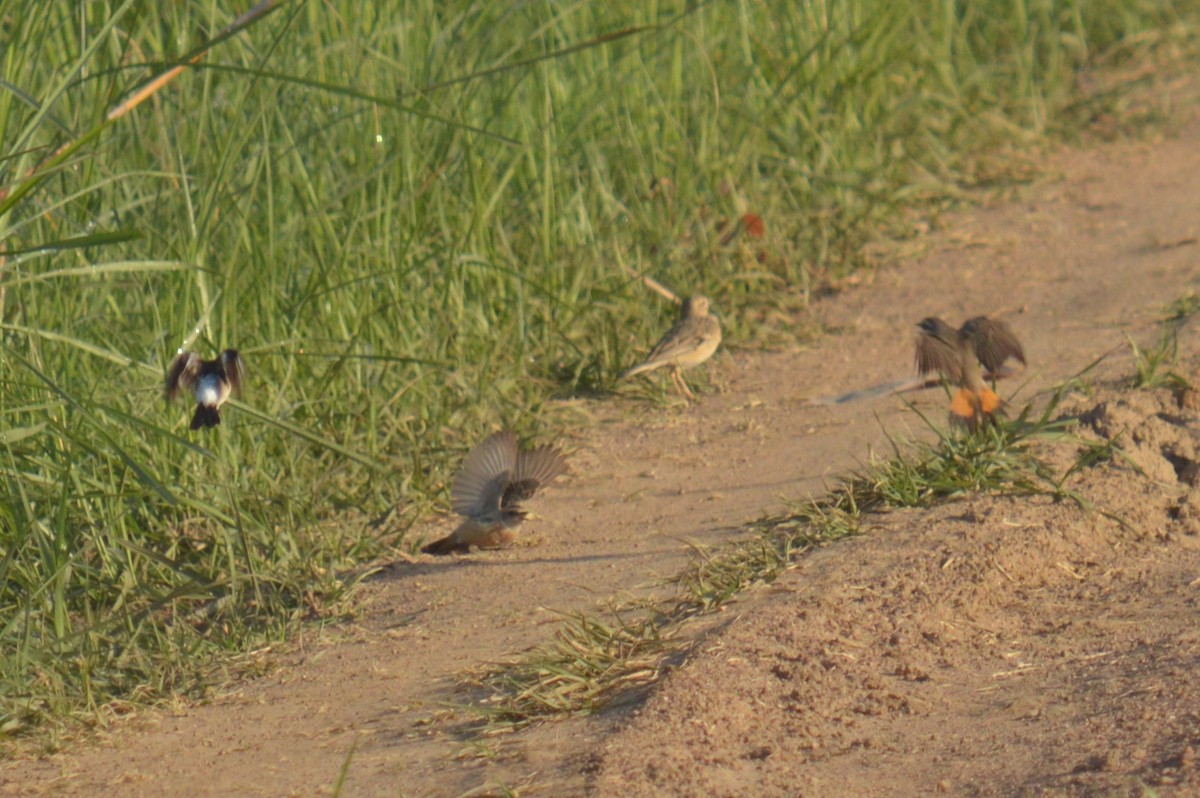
(653, 284)
(140, 96)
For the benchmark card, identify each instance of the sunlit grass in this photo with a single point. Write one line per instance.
(415, 222)
(1182, 309)
(1153, 364)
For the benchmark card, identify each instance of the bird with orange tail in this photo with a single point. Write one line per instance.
(958, 354)
(495, 478)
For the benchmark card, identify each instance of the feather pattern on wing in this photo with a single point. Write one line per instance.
(690, 337)
(993, 341)
(182, 374)
(234, 368)
(938, 350)
(541, 464)
(485, 473)
(535, 468)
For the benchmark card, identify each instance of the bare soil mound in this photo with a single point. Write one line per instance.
(990, 647)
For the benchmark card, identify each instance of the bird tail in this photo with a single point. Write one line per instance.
(638, 369)
(446, 545)
(975, 408)
(205, 416)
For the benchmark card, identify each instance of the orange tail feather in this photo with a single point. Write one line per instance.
(975, 409)
(989, 402)
(964, 405)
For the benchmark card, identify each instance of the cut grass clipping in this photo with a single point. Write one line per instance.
(595, 661)
(417, 225)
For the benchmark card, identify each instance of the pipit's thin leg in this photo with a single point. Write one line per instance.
(686, 390)
(682, 385)
(675, 381)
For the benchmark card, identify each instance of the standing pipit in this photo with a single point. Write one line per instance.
(690, 342)
(494, 479)
(210, 381)
(957, 355)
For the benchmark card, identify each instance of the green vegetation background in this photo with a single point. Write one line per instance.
(416, 221)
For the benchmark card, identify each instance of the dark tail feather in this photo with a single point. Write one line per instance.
(205, 417)
(446, 545)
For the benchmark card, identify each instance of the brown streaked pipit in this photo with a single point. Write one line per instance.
(957, 356)
(495, 478)
(210, 381)
(692, 340)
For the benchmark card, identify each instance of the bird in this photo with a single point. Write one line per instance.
(994, 343)
(692, 340)
(488, 490)
(210, 381)
(957, 356)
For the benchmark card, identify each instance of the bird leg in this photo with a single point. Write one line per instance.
(681, 385)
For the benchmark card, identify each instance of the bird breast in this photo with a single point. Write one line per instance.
(211, 390)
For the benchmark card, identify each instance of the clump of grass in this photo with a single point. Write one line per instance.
(1153, 366)
(996, 459)
(1093, 453)
(1182, 309)
(590, 662)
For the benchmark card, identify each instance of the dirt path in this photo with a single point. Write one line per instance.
(1091, 253)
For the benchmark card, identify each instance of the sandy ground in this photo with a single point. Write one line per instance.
(988, 647)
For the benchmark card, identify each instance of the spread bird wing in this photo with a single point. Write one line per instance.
(937, 356)
(518, 491)
(534, 468)
(484, 475)
(235, 369)
(994, 342)
(181, 374)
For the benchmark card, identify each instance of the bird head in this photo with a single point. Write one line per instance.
(937, 328)
(695, 306)
(512, 517)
